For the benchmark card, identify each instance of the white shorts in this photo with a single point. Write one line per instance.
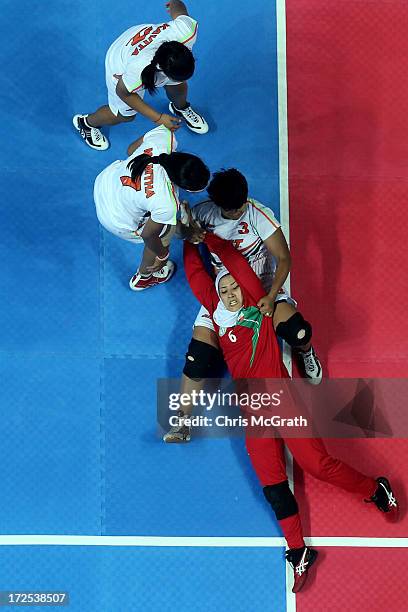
(204, 319)
(103, 205)
(115, 103)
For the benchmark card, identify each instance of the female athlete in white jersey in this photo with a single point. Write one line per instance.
(137, 199)
(146, 57)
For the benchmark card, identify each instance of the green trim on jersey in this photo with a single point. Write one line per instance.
(192, 32)
(174, 199)
(136, 87)
(170, 142)
(251, 317)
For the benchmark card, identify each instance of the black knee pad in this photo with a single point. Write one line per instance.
(295, 331)
(282, 500)
(203, 361)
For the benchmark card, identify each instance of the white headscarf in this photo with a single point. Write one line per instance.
(222, 316)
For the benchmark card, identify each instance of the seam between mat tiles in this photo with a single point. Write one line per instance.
(102, 416)
(44, 354)
(87, 354)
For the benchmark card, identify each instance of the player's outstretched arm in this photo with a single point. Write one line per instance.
(278, 248)
(136, 102)
(236, 265)
(201, 283)
(176, 8)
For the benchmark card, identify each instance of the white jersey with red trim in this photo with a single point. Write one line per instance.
(129, 55)
(247, 234)
(122, 205)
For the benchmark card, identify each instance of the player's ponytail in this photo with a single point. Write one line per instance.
(138, 164)
(184, 170)
(149, 76)
(172, 58)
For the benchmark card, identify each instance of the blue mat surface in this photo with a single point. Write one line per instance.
(80, 353)
(202, 489)
(50, 451)
(106, 579)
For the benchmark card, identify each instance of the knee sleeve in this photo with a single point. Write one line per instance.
(295, 331)
(282, 500)
(203, 361)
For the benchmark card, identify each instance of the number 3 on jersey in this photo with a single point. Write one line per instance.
(244, 230)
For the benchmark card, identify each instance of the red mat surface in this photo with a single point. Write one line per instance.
(348, 158)
(365, 579)
(329, 511)
(348, 152)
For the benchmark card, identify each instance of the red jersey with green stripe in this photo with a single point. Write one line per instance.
(129, 55)
(126, 205)
(250, 347)
(247, 234)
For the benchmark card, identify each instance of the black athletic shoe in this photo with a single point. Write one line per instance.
(384, 498)
(194, 121)
(91, 135)
(301, 559)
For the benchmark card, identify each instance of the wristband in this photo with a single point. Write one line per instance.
(163, 258)
(157, 120)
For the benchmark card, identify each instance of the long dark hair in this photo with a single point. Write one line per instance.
(184, 169)
(175, 60)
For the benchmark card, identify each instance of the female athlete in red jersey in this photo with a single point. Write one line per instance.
(251, 350)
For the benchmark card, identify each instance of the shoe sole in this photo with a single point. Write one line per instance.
(190, 127)
(157, 284)
(78, 129)
(314, 381)
(174, 440)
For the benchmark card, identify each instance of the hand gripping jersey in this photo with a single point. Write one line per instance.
(250, 348)
(124, 206)
(247, 234)
(134, 50)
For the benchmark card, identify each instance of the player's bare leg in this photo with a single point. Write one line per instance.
(104, 116)
(290, 323)
(177, 94)
(143, 279)
(182, 432)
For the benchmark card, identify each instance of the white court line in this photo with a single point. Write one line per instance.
(282, 117)
(283, 142)
(197, 542)
(284, 217)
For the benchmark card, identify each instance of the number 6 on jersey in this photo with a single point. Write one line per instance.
(232, 336)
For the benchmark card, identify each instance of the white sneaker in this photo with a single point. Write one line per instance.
(138, 282)
(180, 432)
(91, 135)
(194, 121)
(312, 366)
